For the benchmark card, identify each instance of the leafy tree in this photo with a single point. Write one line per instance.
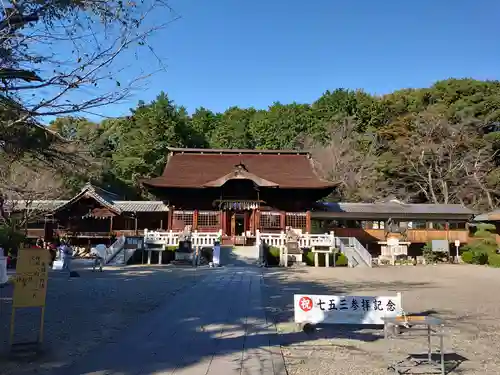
(232, 130)
(145, 137)
(281, 126)
(439, 144)
(202, 124)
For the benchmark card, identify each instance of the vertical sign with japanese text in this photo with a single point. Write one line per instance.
(309, 308)
(30, 287)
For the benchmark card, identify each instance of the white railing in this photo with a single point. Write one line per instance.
(361, 250)
(171, 238)
(306, 240)
(165, 238)
(352, 248)
(114, 249)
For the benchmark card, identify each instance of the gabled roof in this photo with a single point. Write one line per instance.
(199, 168)
(104, 197)
(489, 216)
(394, 209)
(50, 205)
(33, 205)
(241, 173)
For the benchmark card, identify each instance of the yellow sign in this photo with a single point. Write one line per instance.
(30, 282)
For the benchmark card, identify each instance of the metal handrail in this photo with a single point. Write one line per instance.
(350, 245)
(361, 250)
(114, 249)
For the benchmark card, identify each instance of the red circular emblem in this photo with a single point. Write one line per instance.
(306, 304)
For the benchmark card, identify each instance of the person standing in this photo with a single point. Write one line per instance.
(216, 250)
(99, 253)
(65, 254)
(3, 267)
(53, 252)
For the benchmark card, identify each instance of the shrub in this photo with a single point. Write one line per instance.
(11, 238)
(475, 257)
(429, 255)
(309, 258)
(483, 247)
(494, 260)
(341, 260)
(479, 257)
(272, 255)
(467, 256)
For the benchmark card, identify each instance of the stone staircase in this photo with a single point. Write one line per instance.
(118, 259)
(240, 256)
(357, 255)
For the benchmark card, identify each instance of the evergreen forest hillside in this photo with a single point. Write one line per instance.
(437, 145)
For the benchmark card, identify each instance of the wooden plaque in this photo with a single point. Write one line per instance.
(30, 281)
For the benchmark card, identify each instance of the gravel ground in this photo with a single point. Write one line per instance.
(465, 296)
(86, 311)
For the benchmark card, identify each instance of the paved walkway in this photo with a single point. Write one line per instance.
(216, 327)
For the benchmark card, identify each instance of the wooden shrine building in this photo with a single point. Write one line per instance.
(93, 215)
(239, 191)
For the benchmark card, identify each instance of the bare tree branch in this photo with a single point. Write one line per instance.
(444, 161)
(87, 45)
(349, 158)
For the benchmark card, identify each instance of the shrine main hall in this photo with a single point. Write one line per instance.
(239, 191)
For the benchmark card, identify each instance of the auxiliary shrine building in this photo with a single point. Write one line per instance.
(239, 191)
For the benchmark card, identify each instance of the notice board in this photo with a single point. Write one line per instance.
(32, 269)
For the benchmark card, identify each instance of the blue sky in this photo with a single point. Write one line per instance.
(251, 53)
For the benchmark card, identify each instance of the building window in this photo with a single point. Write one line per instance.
(208, 219)
(183, 218)
(270, 220)
(457, 225)
(378, 224)
(296, 220)
(437, 225)
(417, 225)
(128, 223)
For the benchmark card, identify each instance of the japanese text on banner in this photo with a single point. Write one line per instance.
(346, 309)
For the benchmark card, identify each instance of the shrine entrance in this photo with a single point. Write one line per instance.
(239, 229)
(238, 223)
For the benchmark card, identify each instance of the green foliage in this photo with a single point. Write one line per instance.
(429, 255)
(482, 250)
(272, 255)
(11, 238)
(340, 259)
(467, 257)
(432, 257)
(485, 230)
(475, 257)
(494, 260)
(377, 146)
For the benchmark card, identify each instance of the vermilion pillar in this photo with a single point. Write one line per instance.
(308, 222)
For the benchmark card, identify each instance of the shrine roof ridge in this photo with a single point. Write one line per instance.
(228, 151)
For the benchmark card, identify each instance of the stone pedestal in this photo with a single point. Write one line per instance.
(392, 249)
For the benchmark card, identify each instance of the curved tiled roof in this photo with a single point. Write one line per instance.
(392, 208)
(195, 168)
(105, 198)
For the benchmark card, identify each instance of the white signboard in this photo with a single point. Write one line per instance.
(309, 308)
(440, 246)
